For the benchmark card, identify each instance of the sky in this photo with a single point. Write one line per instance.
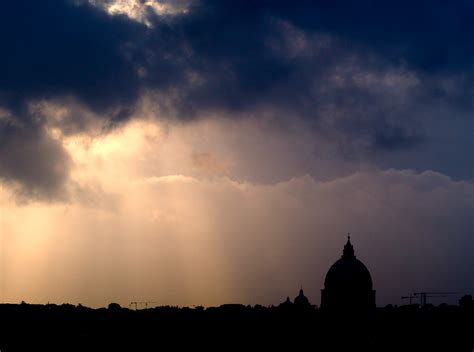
(201, 152)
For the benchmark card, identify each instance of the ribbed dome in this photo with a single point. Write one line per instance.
(348, 283)
(348, 274)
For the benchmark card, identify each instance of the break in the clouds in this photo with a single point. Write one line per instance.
(240, 127)
(140, 10)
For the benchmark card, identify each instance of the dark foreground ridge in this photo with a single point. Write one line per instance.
(27, 327)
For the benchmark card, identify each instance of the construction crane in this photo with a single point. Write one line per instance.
(136, 304)
(410, 298)
(424, 295)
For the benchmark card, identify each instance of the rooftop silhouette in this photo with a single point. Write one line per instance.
(290, 326)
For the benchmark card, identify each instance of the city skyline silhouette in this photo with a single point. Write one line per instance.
(182, 174)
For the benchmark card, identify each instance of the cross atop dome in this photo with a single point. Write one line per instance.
(348, 251)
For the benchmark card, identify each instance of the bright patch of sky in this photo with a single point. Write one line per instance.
(140, 10)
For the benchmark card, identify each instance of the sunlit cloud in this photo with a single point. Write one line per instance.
(140, 10)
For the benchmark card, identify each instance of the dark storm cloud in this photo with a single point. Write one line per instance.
(37, 165)
(431, 35)
(313, 59)
(53, 48)
(56, 48)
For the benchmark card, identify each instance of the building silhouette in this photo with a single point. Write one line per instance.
(301, 300)
(348, 284)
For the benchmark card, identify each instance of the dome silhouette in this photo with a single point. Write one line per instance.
(348, 284)
(301, 299)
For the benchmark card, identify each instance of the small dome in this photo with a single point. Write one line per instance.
(301, 299)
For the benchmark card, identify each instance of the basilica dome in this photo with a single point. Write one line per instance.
(348, 284)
